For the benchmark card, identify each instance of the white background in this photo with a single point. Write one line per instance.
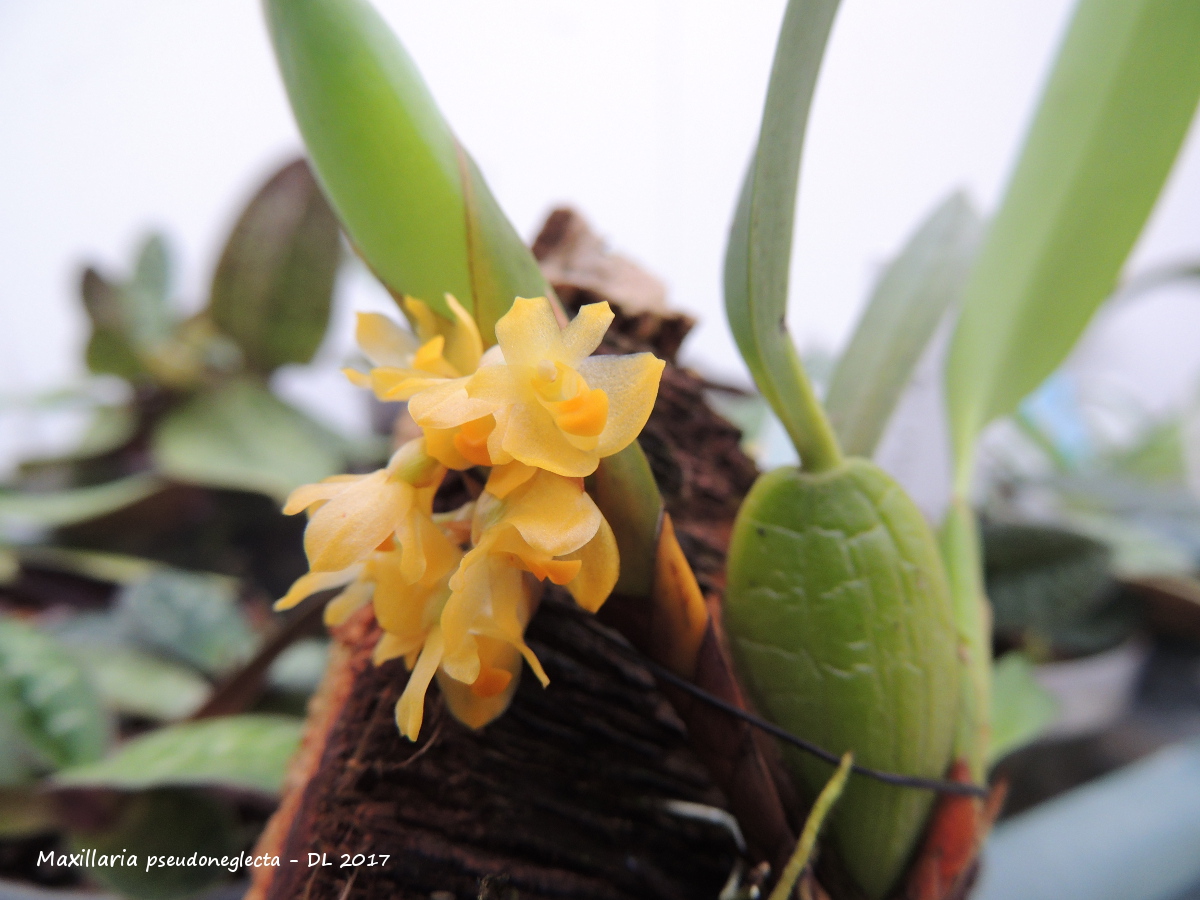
(121, 115)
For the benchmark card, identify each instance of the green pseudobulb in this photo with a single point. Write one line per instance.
(839, 616)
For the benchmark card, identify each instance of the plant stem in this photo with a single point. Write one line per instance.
(806, 421)
(812, 826)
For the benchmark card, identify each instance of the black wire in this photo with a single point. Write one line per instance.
(909, 781)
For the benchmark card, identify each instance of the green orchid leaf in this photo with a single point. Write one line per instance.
(188, 616)
(758, 255)
(241, 436)
(1022, 709)
(165, 823)
(412, 202)
(839, 617)
(502, 268)
(624, 490)
(273, 286)
(48, 708)
(51, 509)
(1109, 126)
(908, 303)
(248, 753)
(962, 554)
(382, 152)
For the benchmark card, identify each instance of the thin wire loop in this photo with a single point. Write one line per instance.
(908, 781)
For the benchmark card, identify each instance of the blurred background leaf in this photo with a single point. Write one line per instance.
(49, 711)
(273, 286)
(188, 616)
(158, 823)
(249, 752)
(49, 509)
(242, 436)
(1110, 123)
(1021, 708)
(908, 302)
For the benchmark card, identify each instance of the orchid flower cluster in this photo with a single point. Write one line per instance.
(454, 591)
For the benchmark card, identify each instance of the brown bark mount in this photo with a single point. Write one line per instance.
(575, 791)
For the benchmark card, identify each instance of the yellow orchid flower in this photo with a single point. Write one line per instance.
(356, 593)
(542, 400)
(356, 514)
(403, 363)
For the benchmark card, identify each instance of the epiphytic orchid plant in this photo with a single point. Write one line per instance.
(855, 626)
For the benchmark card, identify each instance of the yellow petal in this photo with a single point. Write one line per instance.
(600, 566)
(307, 585)
(406, 610)
(471, 440)
(389, 647)
(531, 436)
(348, 602)
(350, 526)
(439, 443)
(540, 564)
(307, 494)
(511, 612)
(503, 480)
(475, 707)
(494, 385)
(357, 378)
(383, 341)
(553, 514)
(422, 542)
(429, 358)
(631, 383)
(410, 708)
(424, 320)
(585, 332)
(446, 405)
(464, 346)
(528, 332)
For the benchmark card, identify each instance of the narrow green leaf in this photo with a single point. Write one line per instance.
(502, 268)
(192, 617)
(273, 285)
(908, 303)
(157, 824)
(412, 201)
(241, 436)
(59, 714)
(379, 146)
(246, 752)
(625, 492)
(51, 509)
(1110, 123)
(758, 255)
(962, 554)
(1021, 708)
